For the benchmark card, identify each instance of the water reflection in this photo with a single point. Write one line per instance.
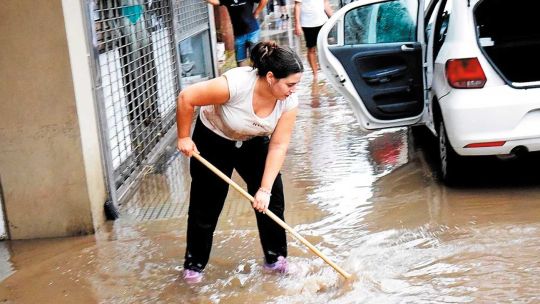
(6, 268)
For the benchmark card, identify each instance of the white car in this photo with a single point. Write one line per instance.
(467, 69)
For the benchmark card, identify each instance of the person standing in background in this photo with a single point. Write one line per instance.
(310, 16)
(283, 8)
(245, 25)
(270, 7)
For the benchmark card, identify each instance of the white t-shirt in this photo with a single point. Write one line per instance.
(312, 13)
(235, 119)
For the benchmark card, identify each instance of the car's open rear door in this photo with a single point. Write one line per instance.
(372, 52)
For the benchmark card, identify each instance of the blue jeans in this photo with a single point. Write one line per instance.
(245, 42)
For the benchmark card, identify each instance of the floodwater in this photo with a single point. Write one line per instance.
(371, 202)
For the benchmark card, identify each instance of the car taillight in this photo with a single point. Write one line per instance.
(465, 73)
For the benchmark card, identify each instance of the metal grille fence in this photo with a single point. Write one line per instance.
(137, 84)
(191, 17)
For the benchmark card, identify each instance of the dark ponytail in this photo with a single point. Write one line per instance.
(267, 56)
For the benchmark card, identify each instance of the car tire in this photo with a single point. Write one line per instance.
(449, 160)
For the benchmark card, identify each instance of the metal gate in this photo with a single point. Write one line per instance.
(192, 17)
(137, 81)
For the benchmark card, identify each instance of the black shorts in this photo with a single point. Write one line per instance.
(281, 2)
(310, 35)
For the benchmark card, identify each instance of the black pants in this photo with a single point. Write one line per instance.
(208, 193)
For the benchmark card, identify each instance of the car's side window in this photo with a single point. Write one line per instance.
(430, 24)
(392, 21)
(441, 26)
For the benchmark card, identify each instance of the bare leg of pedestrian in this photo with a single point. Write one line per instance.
(312, 59)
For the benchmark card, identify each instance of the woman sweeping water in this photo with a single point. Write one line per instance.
(245, 123)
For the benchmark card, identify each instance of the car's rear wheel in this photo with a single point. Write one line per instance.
(449, 160)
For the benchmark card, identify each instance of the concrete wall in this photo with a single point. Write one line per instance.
(50, 165)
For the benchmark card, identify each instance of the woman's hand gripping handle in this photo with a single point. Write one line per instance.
(187, 146)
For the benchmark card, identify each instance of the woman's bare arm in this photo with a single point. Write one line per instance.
(277, 150)
(214, 91)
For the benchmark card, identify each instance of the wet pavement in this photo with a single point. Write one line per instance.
(369, 201)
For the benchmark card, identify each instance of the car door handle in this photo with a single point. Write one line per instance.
(407, 47)
(384, 75)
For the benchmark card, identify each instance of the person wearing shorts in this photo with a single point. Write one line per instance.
(245, 25)
(283, 8)
(310, 16)
(244, 44)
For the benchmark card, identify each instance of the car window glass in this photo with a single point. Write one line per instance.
(392, 21)
(332, 35)
(431, 23)
(441, 26)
